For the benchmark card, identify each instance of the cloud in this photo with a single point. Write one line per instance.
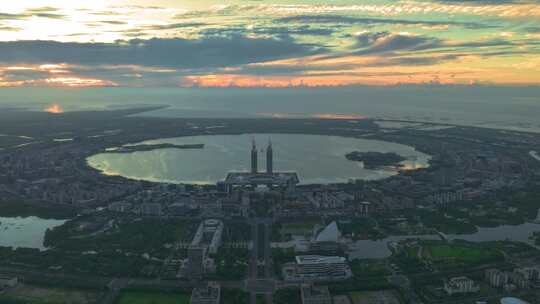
(7, 28)
(171, 26)
(43, 12)
(7, 16)
(495, 2)
(338, 19)
(176, 53)
(43, 9)
(280, 31)
(385, 42)
(112, 22)
(533, 29)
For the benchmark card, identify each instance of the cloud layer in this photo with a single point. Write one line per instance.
(387, 42)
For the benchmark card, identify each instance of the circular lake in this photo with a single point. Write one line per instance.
(316, 158)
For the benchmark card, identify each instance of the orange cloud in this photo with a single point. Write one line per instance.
(79, 82)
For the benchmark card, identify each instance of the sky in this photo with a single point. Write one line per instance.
(270, 43)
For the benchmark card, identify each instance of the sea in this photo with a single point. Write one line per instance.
(510, 108)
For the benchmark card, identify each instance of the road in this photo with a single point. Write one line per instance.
(260, 284)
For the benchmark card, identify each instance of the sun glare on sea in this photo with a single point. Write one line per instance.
(54, 108)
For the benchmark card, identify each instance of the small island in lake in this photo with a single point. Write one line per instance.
(141, 148)
(374, 160)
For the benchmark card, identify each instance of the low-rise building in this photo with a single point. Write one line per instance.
(530, 273)
(120, 207)
(8, 281)
(317, 268)
(209, 294)
(518, 279)
(312, 294)
(460, 285)
(151, 209)
(209, 234)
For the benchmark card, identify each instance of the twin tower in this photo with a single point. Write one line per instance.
(269, 158)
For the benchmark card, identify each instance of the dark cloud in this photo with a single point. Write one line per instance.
(43, 12)
(176, 53)
(113, 22)
(280, 31)
(101, 13)
(49, 15)
(172, 26)
(5, 28)
(7, 16)
(533, 29)
(385, 42)
(147, 29)
(336, 19)
(43, 9)
(23, 75)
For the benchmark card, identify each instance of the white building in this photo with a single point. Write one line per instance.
(211, 230)
(496, 278)
(209, 294)
(8, 281)
(460, 285)
(330, 233)
(317, 268)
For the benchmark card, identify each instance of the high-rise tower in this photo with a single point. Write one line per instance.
(269, 158)
(254, 168)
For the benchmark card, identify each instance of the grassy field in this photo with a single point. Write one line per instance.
(374, 297)
(136, 297)
(459, 252)
(299, 228)
(29, 294)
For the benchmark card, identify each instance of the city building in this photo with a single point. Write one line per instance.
(530, 273)
(317, 268)
(269, 159)
(522, 278)
(496, 278)
(255, 178)
(518, 279)
(151, 209)
(326, 239)
(120, 207)
(209, 294)
(364, 208)
(312, 294)
(537, 220)
(195, 263)
(254, 158)
(460, 285)
(8, 281)
(209, 234)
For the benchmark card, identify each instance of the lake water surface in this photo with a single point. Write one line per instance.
(368, 249)
(316, 158)
(26, 232)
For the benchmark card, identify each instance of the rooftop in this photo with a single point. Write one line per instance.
(262, 178)
(318, 259)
